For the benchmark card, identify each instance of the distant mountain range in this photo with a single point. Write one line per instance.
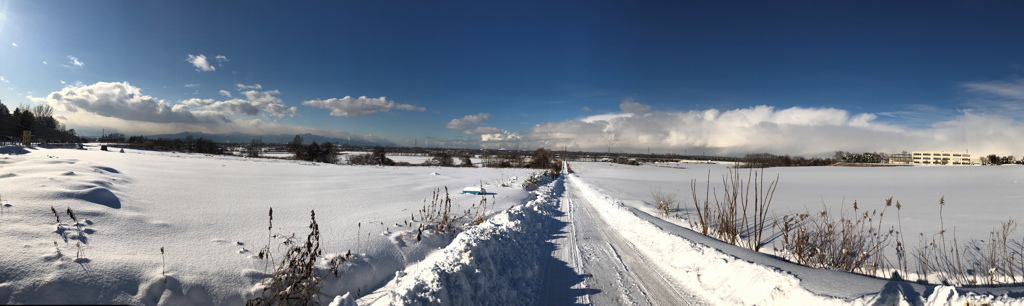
(280, 138)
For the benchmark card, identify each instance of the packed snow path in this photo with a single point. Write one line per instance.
(613, 272)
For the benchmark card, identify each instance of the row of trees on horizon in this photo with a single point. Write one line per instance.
(33, 118)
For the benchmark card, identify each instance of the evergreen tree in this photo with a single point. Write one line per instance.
(4, 112)
(24, 119)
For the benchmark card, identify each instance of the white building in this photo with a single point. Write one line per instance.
(942, 158)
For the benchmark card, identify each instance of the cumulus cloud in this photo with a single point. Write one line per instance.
(123, 107)
(468, 121)
(268, 102)
(233, 106)
(362, 106)
(73, 61)
(200, 62)
(225, 93)
(221, 58)
(632, 107)
(755, 129)
(795, 131)
(3, 79)
(14, 44)
(500, 137)
(123, 101)
(254, 102)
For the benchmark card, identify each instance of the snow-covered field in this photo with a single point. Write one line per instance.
(977, 198)
(210, 214)
(591, 237)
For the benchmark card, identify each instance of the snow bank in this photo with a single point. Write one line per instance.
(494, 263)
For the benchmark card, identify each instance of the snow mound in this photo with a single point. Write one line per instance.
(493, 263)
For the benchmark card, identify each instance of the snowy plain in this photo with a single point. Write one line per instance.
(210, 215)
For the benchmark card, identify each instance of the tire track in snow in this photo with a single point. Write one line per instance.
(616, 273)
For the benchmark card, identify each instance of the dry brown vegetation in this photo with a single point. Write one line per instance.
(296, 279)
(739, 216)
(438, 217)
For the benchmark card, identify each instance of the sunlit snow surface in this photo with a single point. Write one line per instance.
(209, 213)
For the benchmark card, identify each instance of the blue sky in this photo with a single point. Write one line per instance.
(727, 77)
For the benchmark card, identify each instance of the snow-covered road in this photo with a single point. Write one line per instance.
(607, 269)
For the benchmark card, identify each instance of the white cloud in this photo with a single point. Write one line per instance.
(484, 130)
(254, 102)
(123, 101)
(266, 101)
(14, 44)
(586, 109)
(997, 97)
(500, 137)
(756, 129)
(632, 107)
(63, 83)
(362, 106)
(123, 107)
(191, 85)
(794, 131)
(200, 62)
(74, 61)
(225, 93)
(44, 63)
(468, 121)
(243, 86)
(221, 58)
(233, 106)
(3, 79)
(1013, 90)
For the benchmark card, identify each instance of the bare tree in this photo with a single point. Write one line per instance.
(254, 148)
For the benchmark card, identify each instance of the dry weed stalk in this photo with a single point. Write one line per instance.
(858, 244)
(437, 216)
(740, 216)
(163, 267)
(294, 281)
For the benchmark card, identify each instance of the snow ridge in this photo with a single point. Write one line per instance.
(496, 262)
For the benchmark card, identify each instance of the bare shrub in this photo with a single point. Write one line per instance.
(537, 179)
(858, 243)
(999, 260)
(851, 243)
(296, 279)
(443, 159)
(663, 201)
(739, 216)
(254, 148)
(438, 216)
